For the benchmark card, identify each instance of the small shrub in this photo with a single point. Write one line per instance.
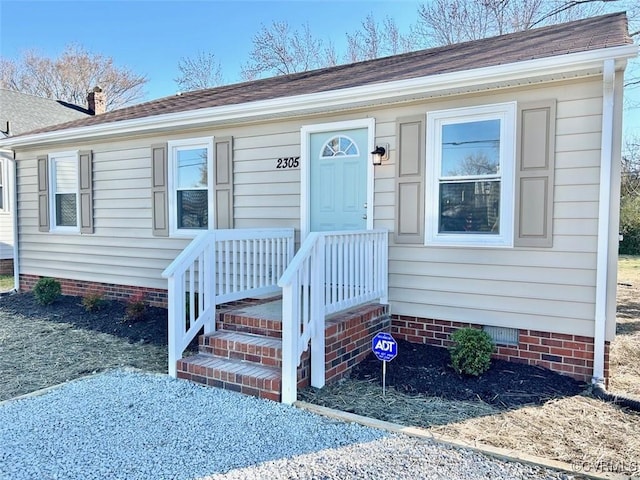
(471, 354)
(47, 291)
(136, 308)
(93, 300)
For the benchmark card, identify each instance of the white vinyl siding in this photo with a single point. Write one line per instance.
(547, 289)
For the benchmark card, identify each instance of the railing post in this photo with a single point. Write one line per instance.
(289, 344)
(318, 372)
(383, 256)
(175, 308)
(210, 285)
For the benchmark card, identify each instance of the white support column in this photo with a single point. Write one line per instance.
(289, 344)
(209, 291)
(318, 355)
(173, 313)
(604, 204)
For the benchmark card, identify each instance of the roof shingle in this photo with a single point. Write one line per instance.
(572, 37)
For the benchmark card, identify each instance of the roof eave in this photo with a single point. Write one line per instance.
(588, 62)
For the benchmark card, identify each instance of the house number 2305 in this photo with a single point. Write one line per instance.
(288, 162)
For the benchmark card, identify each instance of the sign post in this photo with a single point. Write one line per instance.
(385, 348)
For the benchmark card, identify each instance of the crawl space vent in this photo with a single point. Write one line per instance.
(502, 335)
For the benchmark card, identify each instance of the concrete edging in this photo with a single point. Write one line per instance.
(495, 452)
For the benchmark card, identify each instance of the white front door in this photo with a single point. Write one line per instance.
(338, 179)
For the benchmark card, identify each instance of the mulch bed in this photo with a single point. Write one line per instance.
(425, 370)
(417, 370)
(109, 318)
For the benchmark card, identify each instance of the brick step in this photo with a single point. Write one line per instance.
(243, 346)
(263, 319)
(232, 374)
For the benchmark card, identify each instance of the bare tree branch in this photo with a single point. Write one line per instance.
(375, 39)
(70, 76)
(279, 50)
(444, 22)
(199, 72)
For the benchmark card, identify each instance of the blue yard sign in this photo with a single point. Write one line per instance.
(385, 348)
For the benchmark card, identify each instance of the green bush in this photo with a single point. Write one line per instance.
(93, 300)
(47, 291)
(630, 226)
(135, 309)
(471, 354)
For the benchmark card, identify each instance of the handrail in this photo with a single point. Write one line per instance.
(220, 266)
(332, 271)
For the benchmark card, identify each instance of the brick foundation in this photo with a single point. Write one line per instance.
(570, 355)
(153, 296)
(6, 266)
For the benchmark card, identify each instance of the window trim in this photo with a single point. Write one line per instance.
(506, 113)
(4, 192)
(173, 146)
(53, 159)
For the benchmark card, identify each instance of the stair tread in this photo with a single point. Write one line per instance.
(245, 337)
(233, 365)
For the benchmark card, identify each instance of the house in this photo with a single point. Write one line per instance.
(21, 113)
(468, 185)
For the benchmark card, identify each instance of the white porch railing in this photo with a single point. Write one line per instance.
(221, 266)
(332, 271)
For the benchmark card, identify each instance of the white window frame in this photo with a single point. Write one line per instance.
(174, 146)
(54, 158)
(4, 193)
(506, 113)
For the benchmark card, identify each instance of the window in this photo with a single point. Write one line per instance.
(470, 165)
(64, 191)
(191, 185)
(339, 146)
(2, 187)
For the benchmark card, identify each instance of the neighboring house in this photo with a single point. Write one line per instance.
(21, 113)
(499, 186)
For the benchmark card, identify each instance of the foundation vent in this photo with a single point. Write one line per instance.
(502, 335)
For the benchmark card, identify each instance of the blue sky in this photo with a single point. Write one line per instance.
(151, 36)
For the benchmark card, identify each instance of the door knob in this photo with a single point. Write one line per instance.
(364, 217)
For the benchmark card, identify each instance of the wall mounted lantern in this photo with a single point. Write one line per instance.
(380, 154)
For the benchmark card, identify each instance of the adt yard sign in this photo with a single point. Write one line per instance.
(384, 346)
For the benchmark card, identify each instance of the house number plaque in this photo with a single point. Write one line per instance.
(288, 162)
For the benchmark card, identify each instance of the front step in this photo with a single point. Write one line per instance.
(245, 353)
(231, 374)
(243, 346)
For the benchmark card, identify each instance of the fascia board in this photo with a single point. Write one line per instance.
(376, 93)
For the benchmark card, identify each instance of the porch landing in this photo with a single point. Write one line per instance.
(245, 352)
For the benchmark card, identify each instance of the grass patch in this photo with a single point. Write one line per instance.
(6, 282)
(629, 269)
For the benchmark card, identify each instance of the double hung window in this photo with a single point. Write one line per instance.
(470, 164)
(191, 184)
(64, 191)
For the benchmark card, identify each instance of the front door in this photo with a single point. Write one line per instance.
(338, 180)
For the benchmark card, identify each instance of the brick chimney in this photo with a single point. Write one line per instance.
(96, 101)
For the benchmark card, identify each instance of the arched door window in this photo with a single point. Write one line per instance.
(339, 146)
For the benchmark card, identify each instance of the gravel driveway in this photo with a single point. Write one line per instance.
(130, 425)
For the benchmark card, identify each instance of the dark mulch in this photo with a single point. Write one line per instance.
(426, 370)
(417, 370)
(109, 318)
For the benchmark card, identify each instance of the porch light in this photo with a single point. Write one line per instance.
(380, 154)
